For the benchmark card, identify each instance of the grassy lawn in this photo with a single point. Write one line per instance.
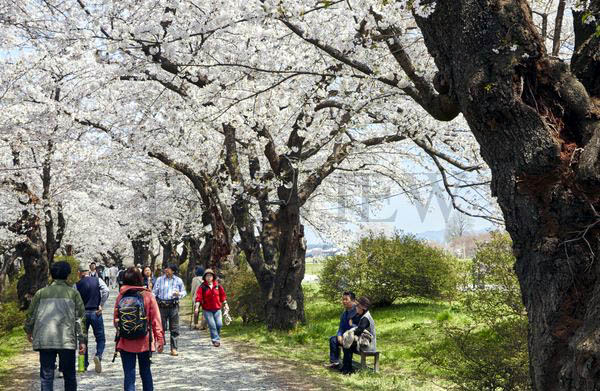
(314, 268)
(401, 329)
(11, 345)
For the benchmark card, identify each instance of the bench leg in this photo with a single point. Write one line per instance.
(377, 363)
(363, 361)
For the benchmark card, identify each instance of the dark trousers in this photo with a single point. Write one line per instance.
(128, 361)
(334, 349)
(66, 359)
(97, 323)
(347, 363)
(170, 317)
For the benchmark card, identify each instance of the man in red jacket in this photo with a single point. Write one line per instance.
(211, 296)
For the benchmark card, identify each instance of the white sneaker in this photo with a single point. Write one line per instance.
(98, 364)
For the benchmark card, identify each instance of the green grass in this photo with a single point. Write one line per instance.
(11, 345)
(401, 329)
(314, 268)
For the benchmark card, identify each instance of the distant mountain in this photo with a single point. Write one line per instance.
(434, 236)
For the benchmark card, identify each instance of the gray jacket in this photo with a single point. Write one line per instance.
(373, 345)
(55, 317)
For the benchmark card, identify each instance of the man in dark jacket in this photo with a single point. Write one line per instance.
(94, 293)
(335, 342)
(53, 326)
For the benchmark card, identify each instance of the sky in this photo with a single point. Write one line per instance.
(399, 213)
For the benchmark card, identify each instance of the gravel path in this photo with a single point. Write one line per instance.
(199, 366)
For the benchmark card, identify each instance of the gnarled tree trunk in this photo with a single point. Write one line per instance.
(285, 309)
(32, 252)
(141, 249)
(539, 132)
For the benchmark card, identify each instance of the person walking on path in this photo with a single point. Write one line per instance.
(169, 289)
(53, 326)
(112, 274)
(148, 278)
(93, 272)
(211, 296)
(366, 323)
(196, 282)
(335, 342)
(94, 292)
(139, 348)
(120, 274)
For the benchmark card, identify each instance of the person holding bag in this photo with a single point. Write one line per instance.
(137, 319)
(211, 296)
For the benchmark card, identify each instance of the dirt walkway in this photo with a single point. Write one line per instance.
(199, 366)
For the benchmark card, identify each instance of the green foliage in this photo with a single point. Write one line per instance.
(74, 262)
(10, 314)
(243, 293)
(11, 345)
(386, 269)
(488, 351)
(401, 328)
(182, 272)
(10, 317)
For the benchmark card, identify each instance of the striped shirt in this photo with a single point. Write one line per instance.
(164, 287)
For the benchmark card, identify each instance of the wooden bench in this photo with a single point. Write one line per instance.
(363, 359)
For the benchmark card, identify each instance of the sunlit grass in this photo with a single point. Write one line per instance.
(401, 329)
(11, 345)
(314, 268)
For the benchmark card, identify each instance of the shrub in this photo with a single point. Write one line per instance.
(10, 317)
(489, 350)
(243, 293)
(74, 262)
(10, 314)
(385, 269)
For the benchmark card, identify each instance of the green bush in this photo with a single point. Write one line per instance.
(489, 350)
(10, 317)
(74, 262)
(243, 294)
(10, 314)
(385, 269)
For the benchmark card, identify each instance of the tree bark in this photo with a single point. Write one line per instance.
(32, 252)
(141, 249)
(193, 245)
(535, 124)
(285, 309)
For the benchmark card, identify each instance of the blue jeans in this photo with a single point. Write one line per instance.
(214, 319)
(97, 323)
(334, 349)
(66, 358)
(128, 361)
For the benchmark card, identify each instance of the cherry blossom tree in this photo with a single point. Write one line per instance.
(536, 121)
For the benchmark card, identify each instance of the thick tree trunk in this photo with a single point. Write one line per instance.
(285, 309)
(170, 254)
(533, 121)
(8, 269)
(116, 258)
(33, 257)
(141, 251)
(194, 259)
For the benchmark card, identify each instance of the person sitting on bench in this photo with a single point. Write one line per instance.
(366, 322)
(335, 342)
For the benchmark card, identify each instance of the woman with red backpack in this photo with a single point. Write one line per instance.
(137, 319)
(211, 296)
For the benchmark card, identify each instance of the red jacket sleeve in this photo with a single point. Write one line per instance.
(222, 294)
(159, 334)
(199, 293)
(116, 312)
